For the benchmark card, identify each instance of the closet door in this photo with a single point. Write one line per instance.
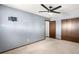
(75, 30)
(64, 29)
(70, 29)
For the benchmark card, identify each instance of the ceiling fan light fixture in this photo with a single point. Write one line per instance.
(49, 13)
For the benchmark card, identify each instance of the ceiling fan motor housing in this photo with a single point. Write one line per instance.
(50, 7)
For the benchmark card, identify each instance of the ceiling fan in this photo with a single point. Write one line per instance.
(51, 9)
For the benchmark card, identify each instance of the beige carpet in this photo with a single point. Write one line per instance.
(48, 46)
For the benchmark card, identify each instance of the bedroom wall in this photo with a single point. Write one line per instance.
(58, 29)
(28, 28)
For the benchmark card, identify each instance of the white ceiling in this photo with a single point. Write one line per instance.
(34, 8)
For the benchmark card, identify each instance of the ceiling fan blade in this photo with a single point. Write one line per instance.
(43, 11)
(44, 7)
(57, 7)
(56, 12)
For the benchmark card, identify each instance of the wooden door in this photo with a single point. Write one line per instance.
(70, 29)
(52, 29)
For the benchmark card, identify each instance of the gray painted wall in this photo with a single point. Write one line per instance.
(58, 29)
(29, 28)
